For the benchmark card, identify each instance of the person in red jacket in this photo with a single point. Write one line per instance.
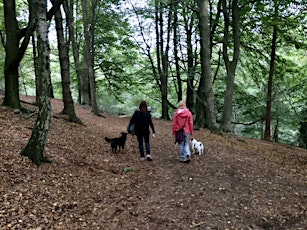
(183, 118)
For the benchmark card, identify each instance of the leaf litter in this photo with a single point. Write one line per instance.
(239, 183)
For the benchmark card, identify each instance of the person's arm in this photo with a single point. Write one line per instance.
(174, 123)
(151, 125)
(190, 120)
(132, 120)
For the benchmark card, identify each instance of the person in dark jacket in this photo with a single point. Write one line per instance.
(183, 118)
(142, 120)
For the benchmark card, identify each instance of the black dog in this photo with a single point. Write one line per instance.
(117, 142)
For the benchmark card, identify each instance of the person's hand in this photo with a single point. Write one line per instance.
(153, 135)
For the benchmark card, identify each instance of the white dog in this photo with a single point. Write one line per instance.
(197, 146)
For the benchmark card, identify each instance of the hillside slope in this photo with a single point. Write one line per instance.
(239, 183)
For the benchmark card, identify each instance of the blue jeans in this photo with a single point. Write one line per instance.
(141, 144)
(184, 148)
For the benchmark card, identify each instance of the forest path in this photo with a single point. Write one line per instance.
(239, 183)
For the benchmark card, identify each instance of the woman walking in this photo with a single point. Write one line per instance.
(183, 119)
(142, 120)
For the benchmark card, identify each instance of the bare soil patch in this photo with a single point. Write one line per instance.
(239, 183)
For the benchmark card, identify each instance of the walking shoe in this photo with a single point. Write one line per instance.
(142, 158)
(188, 158)
(185, 161)
(148, 157)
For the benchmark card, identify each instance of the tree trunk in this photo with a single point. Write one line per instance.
(267, 130)
(34, 49)
(13, 53)
(15, 48)
(165, 64)
(63, 48)
(35, 147)
(91, 40)
(174, 7)
(68, 8)
(162, 57)
(85, 91)
(205, 86)
(230, 65)
(189, 26)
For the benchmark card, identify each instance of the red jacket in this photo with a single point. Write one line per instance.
(182, 115)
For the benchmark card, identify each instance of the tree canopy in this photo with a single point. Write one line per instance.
(157, 51)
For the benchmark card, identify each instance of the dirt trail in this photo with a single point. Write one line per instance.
(239, 183)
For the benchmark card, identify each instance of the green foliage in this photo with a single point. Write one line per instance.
(288, 81)
(124, 74)
(288, 94)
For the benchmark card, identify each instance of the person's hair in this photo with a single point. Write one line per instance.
(182, 104)
(143, 107)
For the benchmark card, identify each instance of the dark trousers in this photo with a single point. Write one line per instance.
(141, 140)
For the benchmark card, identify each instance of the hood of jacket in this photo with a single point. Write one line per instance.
(182, 112)
(182, 118)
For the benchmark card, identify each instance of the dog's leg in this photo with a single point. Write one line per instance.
(114, 147)
(194, 149)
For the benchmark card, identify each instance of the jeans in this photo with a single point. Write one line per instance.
(141, 144)
(184, 148)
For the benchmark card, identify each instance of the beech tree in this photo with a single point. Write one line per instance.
(63, 48)
(35, 147)
(231, 20)
(16, 43)
(229, 86)
(206, 114)
(69, 6)
(162, 54)
(189, 24)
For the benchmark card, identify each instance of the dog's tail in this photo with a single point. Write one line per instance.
(108, 139)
